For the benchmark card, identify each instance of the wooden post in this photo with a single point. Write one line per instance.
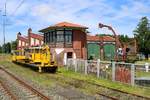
(113, 70)
(85, 67)
(132, 74)
(40, 69)
(98, 65)
(75, 60)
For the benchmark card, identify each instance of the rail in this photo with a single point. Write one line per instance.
(26, 85)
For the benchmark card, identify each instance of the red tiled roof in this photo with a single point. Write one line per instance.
(65, 24)
(23, 38)
(93, 38)
(100, 38)
(37, 36)
(108, 38)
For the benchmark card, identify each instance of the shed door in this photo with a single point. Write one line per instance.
(109, 51)
(93, 50)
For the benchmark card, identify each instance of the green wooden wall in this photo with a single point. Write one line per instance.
(93, 50)
(109, 51)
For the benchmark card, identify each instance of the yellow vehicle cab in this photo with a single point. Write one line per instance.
(18, 55)
(39, 57)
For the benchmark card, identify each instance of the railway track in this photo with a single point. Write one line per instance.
(5, 93)
(118, 94)
(19, 88)
(104, 92)
(106, 97)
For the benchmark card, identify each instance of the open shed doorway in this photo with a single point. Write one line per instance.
(69, 55)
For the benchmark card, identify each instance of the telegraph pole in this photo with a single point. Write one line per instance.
(4, 26)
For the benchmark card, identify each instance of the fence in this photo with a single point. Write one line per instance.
(116, 71)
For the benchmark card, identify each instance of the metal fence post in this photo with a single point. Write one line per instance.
(132, 74)
(75, 60)
(98, 65)
(146, 67)
(113, 70)
(85, 67)
(67, 64)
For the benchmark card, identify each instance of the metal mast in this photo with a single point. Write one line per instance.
(4, 26)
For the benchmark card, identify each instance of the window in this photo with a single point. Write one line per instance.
(48, 37)
(41, 42)
(37, 42)
(45, 37)
(32, 41)
(60, 36)
(19, 43)
(23, 44)
(68, 36)
(52, 36)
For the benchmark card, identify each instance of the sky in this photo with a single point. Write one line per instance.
(122, 15)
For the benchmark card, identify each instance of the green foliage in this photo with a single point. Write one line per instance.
(124, 38)
(104, 35)
(7, 47)
(142, 35)
(14, 45)
(0, 49)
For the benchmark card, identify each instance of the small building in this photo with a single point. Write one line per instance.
(31, 39)
(22, 41)
(66, 40)
(101, 47)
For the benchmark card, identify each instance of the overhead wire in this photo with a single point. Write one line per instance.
(21, 3)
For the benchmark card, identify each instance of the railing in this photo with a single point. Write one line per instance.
(116, 71)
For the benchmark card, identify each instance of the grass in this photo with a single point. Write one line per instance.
(108, 83)
(142, 74)
(66, 79)
(142, 62)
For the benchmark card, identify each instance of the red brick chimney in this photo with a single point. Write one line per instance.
(29, 35)
(29, 30)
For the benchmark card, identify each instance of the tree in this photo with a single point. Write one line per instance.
(142, 35)
(0, 49)
(124, 38)
(7, 47)
(14, 45)
(104, 35)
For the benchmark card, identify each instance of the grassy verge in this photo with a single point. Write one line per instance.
(143, 62)
(108, 83)
(66, 78)
(143, 74)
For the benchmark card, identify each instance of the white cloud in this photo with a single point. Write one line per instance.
(41, 13)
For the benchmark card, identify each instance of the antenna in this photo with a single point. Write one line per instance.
(4, 26)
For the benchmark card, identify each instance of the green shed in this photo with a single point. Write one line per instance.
(109, 51)
(93, 50)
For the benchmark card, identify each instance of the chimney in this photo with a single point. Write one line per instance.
(19, 33)
(29, 30)
(29, 36)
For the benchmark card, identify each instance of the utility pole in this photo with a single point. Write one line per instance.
(4, 26)
(0, 20)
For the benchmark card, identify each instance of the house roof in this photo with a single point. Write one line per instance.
(64, 25)
(37, 36)
(23, 38)
(100, 38)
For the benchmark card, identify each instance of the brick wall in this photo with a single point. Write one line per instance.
(79, 43)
